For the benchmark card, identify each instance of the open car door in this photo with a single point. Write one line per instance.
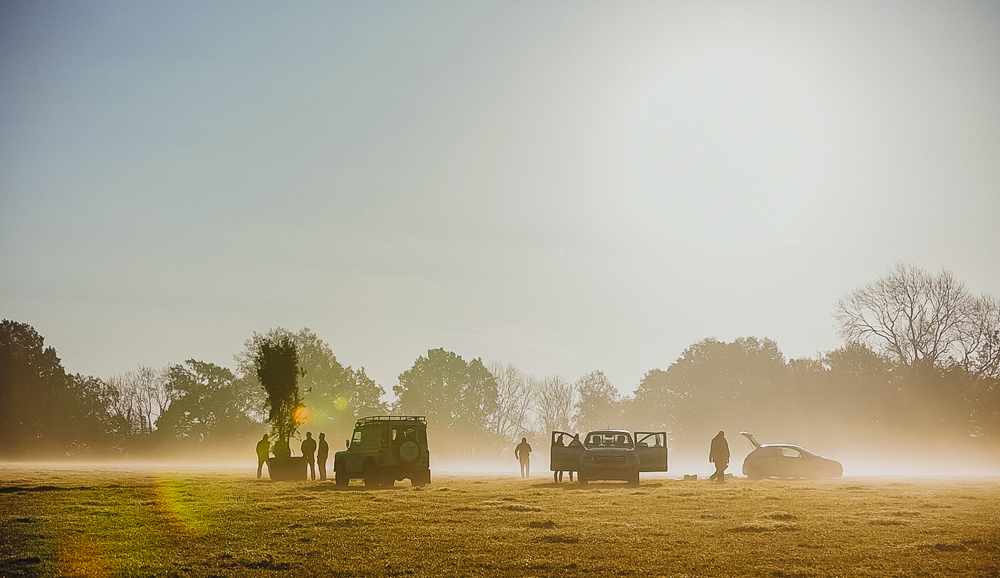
(652, 450)
(562, 456)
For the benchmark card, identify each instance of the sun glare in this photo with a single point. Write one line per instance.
(301, 415)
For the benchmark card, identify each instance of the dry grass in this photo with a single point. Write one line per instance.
(84, 522)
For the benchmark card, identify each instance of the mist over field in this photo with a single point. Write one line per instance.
(865, 404)
(859, 461)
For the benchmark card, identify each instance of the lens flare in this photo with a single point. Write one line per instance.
(301, 415)
(341, 403)
(79, 555)
(181, 507)
(124, 533)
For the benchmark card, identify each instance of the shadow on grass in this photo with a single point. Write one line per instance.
(610, 485)
(335, 488)
(15, 489)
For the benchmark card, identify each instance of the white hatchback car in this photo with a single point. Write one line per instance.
(787, 461)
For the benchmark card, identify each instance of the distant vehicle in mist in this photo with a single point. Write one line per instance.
(787, 461)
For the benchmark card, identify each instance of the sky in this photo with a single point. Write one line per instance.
(564, 186)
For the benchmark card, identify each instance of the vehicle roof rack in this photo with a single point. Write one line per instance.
(391, 418)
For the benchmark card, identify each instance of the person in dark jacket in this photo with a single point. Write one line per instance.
(309, 452)
(263, 448)
(719, 454)
(322, 455)
(521, 452)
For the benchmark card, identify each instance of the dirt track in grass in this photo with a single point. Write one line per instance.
(122, 521)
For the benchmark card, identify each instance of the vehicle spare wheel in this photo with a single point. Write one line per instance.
(409, 451)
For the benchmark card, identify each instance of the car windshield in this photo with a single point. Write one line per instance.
(608, 439)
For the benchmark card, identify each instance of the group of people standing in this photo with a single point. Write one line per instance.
(315, 454)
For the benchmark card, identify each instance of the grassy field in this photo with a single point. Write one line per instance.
(80, 521)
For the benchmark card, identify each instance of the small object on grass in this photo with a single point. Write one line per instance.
(691, 478)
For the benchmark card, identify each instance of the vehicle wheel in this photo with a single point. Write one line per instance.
(371, 475)
(634, 479)
(386, 480)
(755, 474)
(583, 479)
(340, 473)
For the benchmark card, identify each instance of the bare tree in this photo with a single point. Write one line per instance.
(119, 404)
(555, 402)
(980, 344)
(153, 392)
(139, 397)
(514, 399)
(909, 315)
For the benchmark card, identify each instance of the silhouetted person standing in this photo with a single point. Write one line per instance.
(576, 444)
(521, 452)
(309, 452)
(720, 455)
(322, 455)
(263, 448)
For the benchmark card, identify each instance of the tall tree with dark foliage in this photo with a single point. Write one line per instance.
(44, 412)
(277, 364)
(209, 406)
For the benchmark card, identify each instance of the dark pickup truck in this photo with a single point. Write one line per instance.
(608, 455)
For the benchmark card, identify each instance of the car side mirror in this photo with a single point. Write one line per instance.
(348, 443)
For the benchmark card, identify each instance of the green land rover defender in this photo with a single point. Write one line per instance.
(383, 449)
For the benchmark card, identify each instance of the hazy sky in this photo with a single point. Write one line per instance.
(566, 186)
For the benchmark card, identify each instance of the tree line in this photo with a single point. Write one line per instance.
(920, 365)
